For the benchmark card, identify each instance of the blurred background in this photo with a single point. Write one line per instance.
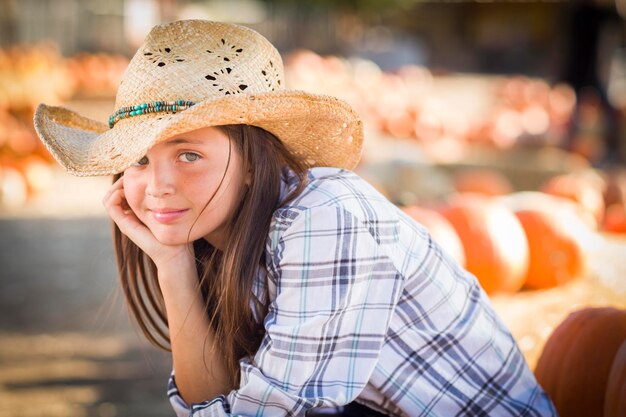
(504, 114)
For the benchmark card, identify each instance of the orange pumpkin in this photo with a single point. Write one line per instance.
(400, 124)
(567, 211)
(555, 255)
(495, 246)
(37, 172)
(615, 396)
(615, 218)
(13, 188)
(576, 361)
(440, 229)
(587, 191)
(482, 181)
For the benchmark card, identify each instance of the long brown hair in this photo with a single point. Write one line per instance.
(225, 277)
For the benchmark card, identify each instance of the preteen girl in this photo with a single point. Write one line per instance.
(281, 281)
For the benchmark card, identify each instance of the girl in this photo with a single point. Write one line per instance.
(281, 282)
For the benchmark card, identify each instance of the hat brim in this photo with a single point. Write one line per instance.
(324, 130)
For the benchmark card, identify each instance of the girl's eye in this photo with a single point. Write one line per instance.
(188, 157)
(142, 161)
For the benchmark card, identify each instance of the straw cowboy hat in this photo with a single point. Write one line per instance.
(192, 74)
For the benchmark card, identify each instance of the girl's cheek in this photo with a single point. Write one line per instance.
(133, 194)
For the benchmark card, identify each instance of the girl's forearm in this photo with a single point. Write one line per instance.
(188, 327)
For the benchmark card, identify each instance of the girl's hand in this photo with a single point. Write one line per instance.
(120, 212)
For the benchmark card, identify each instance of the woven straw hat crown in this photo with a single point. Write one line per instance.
(218, 60)
(192, 74)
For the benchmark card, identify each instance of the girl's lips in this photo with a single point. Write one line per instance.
(168, 216)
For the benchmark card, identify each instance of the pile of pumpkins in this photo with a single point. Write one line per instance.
(25, 164)
(514, 240)
(96, 74)
(29, 75)
(408, 103)
(35, 73)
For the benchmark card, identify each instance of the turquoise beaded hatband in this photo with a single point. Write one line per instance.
(144, 108)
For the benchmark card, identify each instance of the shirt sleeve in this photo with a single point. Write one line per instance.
(335, 291)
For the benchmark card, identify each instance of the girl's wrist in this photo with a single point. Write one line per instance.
(180, 270)
(174, 259)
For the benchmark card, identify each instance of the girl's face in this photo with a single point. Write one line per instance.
(170, 186)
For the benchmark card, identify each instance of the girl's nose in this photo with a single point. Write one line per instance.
(160, 181)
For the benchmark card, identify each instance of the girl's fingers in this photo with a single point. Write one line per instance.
(119, 211)
(119, 184)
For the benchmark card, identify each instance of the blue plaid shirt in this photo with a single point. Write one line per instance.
(366, 307)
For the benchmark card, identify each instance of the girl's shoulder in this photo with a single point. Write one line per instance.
(336, 187)
(334, 190)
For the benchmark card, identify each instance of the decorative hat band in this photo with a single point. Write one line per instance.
(144, 108)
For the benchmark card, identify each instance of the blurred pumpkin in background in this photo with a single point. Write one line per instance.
(494, 243)
(555, 256)
(482, 181)
(13, 188)
(37, 172)
(555, 232)
(586, 189)
(440, 229)
(615, 218)
(576, 361)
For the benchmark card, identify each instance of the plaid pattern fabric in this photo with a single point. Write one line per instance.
(366, 307)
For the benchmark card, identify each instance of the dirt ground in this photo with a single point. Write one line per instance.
(66, 344)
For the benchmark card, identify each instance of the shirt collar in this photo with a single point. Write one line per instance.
(288, 182)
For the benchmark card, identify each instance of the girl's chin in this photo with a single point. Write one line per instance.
(172, 240)
(173, 235)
